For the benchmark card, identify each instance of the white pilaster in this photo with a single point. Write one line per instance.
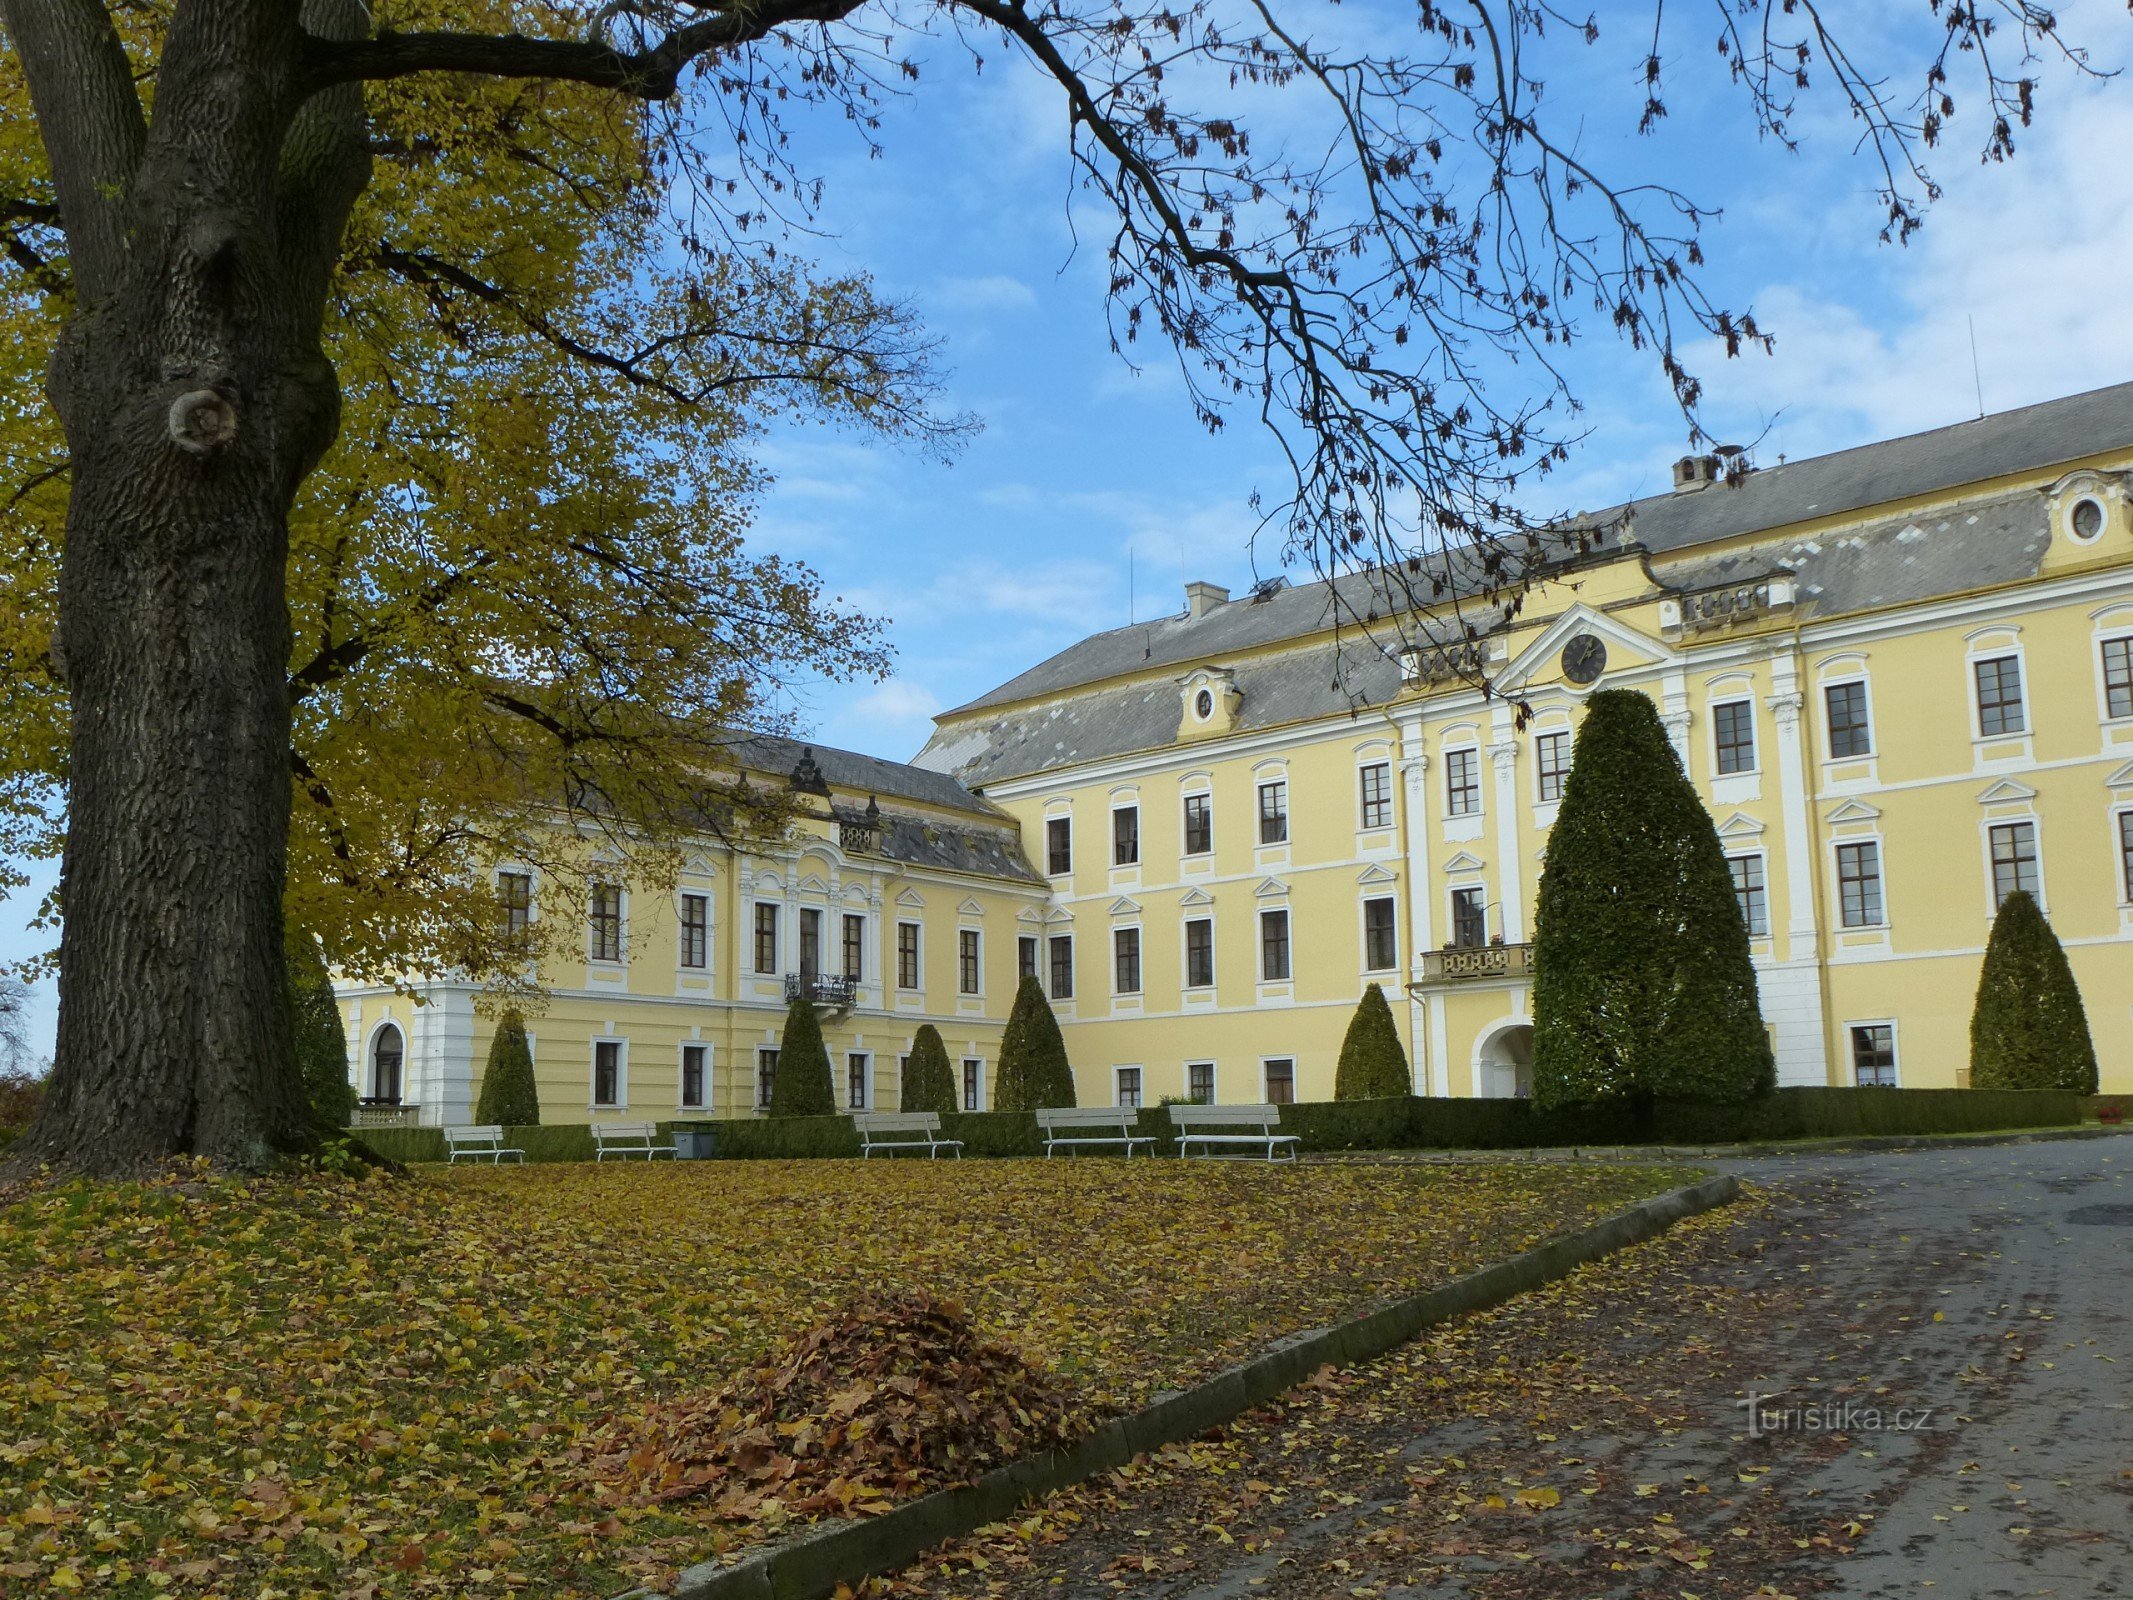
(1510, 870)
(1793, 1000)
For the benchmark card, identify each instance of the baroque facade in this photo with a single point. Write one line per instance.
(1900, 676)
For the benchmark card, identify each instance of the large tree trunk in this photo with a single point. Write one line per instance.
(195, 400)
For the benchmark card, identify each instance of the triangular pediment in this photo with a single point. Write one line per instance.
(1464, 861)
(1855, 811)
(1058, 915)
(1196, 897)
(1739, 826)
(2121, 779)
(912, 898)
(1539, 660)
(699, 865)
(971, 908)
(1029, 914)
(815, 883)
(1376, 872)
(1124, 907)
(2006, 792)
(1271, 888)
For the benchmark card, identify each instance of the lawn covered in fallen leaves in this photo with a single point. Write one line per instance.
(318, 1387)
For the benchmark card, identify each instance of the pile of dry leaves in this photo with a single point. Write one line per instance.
(895, 1396)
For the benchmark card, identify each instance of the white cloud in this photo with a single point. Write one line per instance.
(996, 291)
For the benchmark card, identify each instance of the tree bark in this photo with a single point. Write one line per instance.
(195, 399)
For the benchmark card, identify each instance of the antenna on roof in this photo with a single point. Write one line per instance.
(1976, 375)
(1129, 586)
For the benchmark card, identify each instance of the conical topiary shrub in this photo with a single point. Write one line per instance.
(1372, 1066)
(320, 1046)
(2028, 1029)
(803, 1086)
(507, 1092)
(929, 1081)
(1033, 1059)
(1643, 986)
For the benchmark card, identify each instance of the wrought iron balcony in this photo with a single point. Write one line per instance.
(822, 989)
(1467, 963)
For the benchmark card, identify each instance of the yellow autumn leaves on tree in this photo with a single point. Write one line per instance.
(518, 587)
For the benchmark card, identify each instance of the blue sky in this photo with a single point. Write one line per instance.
(1022, 544)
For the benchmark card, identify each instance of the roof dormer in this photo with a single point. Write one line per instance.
(1209, 700)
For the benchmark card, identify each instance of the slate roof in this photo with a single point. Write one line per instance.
(1879, 562)
(862, 774)
(1772, 498)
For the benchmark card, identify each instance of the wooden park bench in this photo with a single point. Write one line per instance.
(626, 1139)
(892, 1133)
(1216, 1130)
(481, 1142)
(1087, 1127)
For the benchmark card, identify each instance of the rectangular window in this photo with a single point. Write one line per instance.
(855, 947)
(1859, 884)
(1274, 812)
(1129, 1088)
(973, 1084)
(1273, 946)
(1874, 1055)
(1849, 734)
(1200, 1082)
(1470, 916)
(1199, 824)
(1733, 724)
(1026, 957)
(606, 922)
(766, 938)
(1126, 836)
(1063, 966)
(515, 891)
(858, 1078)
(1059, 846)
(907, 955)
(766, 1074)
(810, 942)
(2118, 677)
(1126, 960)
(607, 1072)
(1281, 1082)
(2125, 852)
(1200, 951)
(1749, 890)
(695, 930)
(1462, 782)
(1376, 780)
(1999, 696)
(2014, 861)
(1552, 765)
(966, 960)
(692, 1076)
(1381, 951)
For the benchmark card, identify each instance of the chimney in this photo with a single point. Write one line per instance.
(1201, 598)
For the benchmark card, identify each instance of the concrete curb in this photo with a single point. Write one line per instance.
(1632, 1154)
(814, 1563)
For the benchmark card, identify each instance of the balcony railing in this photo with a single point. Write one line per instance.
(1471, 962)
(370, 1113)
(822, 989)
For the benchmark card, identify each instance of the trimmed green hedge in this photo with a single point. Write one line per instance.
(1397, 1124)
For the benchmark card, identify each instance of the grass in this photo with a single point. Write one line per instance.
(313, 1387)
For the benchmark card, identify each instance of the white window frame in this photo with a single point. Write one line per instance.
(1214, 1080)
(1118, 1086)
(1851, 1055)
(1873, 734)
(1452, 892)
(682, 897)
(867, 1056)
(1363, 824)
(965, 930)
(756, 1097)
(2119, 861)
(1261, 782)
(1140, 960)
(621, 957)
(1266, 1095)
(1763, 856)
(1481, 788)
(1975, 657)
(621, 1102)
(2100, 638)
(681, 1075)
(779, 932)
(1194, 914)
(1569, 737)
(918, 952)
(1140, 843)
(2016, 819)
(1288, 942)
(533, 879)
(1755, 737)
(963, 1064)
(1362, 926)
(1050, 970)
(1881, 873)
(1186, 797)
(1066, 819)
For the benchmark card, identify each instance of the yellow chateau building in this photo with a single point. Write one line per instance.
(1901, 677)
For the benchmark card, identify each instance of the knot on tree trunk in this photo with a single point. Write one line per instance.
(203, 421)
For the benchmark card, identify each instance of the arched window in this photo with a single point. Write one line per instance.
(386, 1053)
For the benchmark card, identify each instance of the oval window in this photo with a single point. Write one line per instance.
(2087, 519)
(1204, 704)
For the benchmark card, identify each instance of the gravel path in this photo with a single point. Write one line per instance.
(1941, 1338)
